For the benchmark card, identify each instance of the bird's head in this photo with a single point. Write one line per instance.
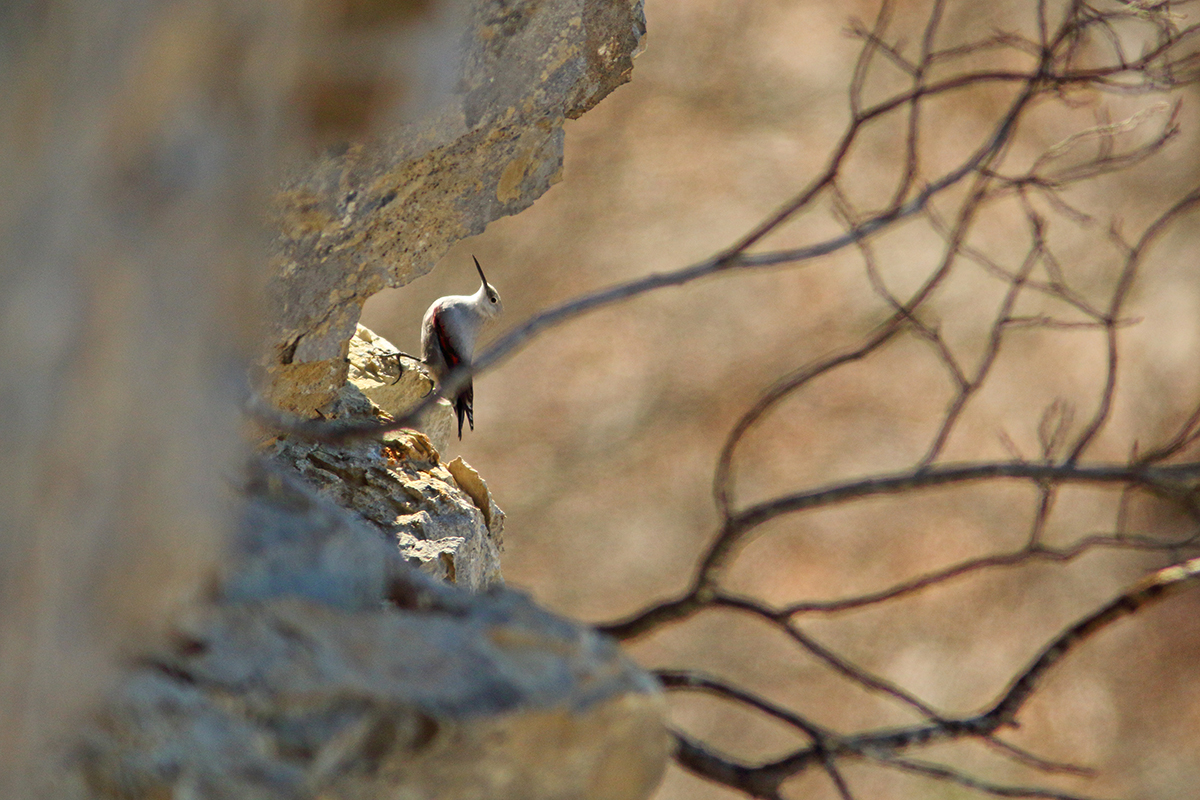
(487, 296)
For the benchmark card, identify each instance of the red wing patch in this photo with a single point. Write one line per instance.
(464, 400)
(449, 354)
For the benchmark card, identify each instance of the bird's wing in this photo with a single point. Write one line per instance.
(465, 397)
(451, 355)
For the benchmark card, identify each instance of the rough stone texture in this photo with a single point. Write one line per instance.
(324, 666)
(381, 213)
(441, 516)
(403, 490)
(476, 488)
(396, 382)
(140, 142)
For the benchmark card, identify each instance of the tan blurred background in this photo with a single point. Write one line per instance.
(599, 439)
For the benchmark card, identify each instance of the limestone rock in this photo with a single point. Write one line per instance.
(381, 213)
(321, 664)
(476, 488)
(403, 490)
(310, 676)
(441, 517)
(292, 543)
(396, 382)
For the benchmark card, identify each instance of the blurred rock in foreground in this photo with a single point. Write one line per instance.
(325, 666)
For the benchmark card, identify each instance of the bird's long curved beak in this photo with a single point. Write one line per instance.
(476, 260)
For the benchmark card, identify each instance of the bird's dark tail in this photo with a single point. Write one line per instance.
(463, 407)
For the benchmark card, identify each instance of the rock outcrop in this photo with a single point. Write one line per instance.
(358, 641)
(441, 516)
(380, 213)
(325, 666)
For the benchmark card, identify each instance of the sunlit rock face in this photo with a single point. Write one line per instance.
(379, 213)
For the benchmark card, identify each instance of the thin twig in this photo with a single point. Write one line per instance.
(763, 780)
(944, 773)
(1169, 481)
(735, 257)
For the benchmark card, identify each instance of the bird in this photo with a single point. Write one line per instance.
(448, 333)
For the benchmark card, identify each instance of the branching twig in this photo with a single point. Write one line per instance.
(763, 780)
(1168, 481)
(737, 257)
(961, 778)
(1025, 555)
(1070, 55)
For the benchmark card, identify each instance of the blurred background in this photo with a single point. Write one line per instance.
(599, 438)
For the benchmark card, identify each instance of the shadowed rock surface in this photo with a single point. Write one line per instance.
(441, 516)
(325, 666)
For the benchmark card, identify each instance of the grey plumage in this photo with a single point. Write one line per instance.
(448, 334)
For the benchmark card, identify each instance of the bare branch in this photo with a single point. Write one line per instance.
(697, 681)
(837, 663)
(961, 778)
(763, 780)
(1170, 481)
(1023, 756)
(1026, 555)
(1124, 283)
(1155, 587)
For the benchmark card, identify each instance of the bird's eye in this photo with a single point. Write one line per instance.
(493, 300)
